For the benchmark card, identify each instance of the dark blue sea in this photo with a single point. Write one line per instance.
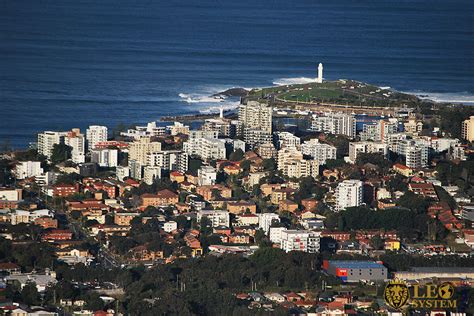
(67, 63)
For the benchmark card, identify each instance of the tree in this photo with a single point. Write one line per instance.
(376, 242)
(205, 226)
(269, 164)
(61, 152)
(237, 155)
(29, 294)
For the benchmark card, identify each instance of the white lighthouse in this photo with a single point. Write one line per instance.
(320, 73)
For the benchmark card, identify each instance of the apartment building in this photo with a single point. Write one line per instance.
(139, 149)
(27, 169)
(349, 193)
(95, 134)
(319, 151)
(366, 147)
(300, 240)
(335, 123)
(176, 160)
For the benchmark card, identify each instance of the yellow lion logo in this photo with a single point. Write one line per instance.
(396, 294)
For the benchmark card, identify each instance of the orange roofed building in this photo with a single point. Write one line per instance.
(162, 198)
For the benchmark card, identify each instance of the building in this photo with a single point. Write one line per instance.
(122, 172)
(64, 190)
(335, 123)
(170, 226)
(424, 189)
(141, 148)
(356, 271)
(136, 169)
(319, 151)
(176, 160)
(224, 127)
(107, 158)
(413, 127)
(300, 240)
(162, 198)
(349, 193)
(207, 175)
(47, 140)
(178, 128)
(379, 131)
(255, 120)
(416, 153)
(77, 142)
(94, 135)
(265, 220)
(217, 217)
(150, 130)
(267, 151)
(205, 148)
(356, 148)
(150, 174)
(467, 129)
(292, 164)
(21, 216)
(241, 207)
(27, 169)
(124, 218)
(286, 139)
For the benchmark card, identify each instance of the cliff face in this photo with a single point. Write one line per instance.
(233, 92)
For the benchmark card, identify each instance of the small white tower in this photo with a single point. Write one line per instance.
(320, 73)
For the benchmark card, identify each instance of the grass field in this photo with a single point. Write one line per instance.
(344, 92)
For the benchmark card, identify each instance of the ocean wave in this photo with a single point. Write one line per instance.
(196, 98)
(215, 109)
(452, 97)
(295, 80)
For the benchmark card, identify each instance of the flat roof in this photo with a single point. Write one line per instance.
(352, 264)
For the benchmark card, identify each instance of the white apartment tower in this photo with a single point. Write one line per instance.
(335, 123)
(76, 141)
(47, 140)
(349, 194)
(300, 240)
(319, 151)
(94, 135)
(256, 121)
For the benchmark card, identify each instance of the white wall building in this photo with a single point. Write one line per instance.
(349, 193)
(319, 151)
(217, 217)
(122, 172)
(150, 174)
(265, 220)
(207, 175)
(107, 158)
(77, 142)
(205, 148)
(255, 120)
(170, 226)
(94, 135)
(356, 148)
(300, 240)
(47, 140)
(27, 169)
(275, 234)
(176, 160)
(286, 139)
(335, 123)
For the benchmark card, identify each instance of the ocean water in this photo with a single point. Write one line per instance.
(66, 64)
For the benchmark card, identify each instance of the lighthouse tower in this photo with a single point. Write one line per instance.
(320, 73)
